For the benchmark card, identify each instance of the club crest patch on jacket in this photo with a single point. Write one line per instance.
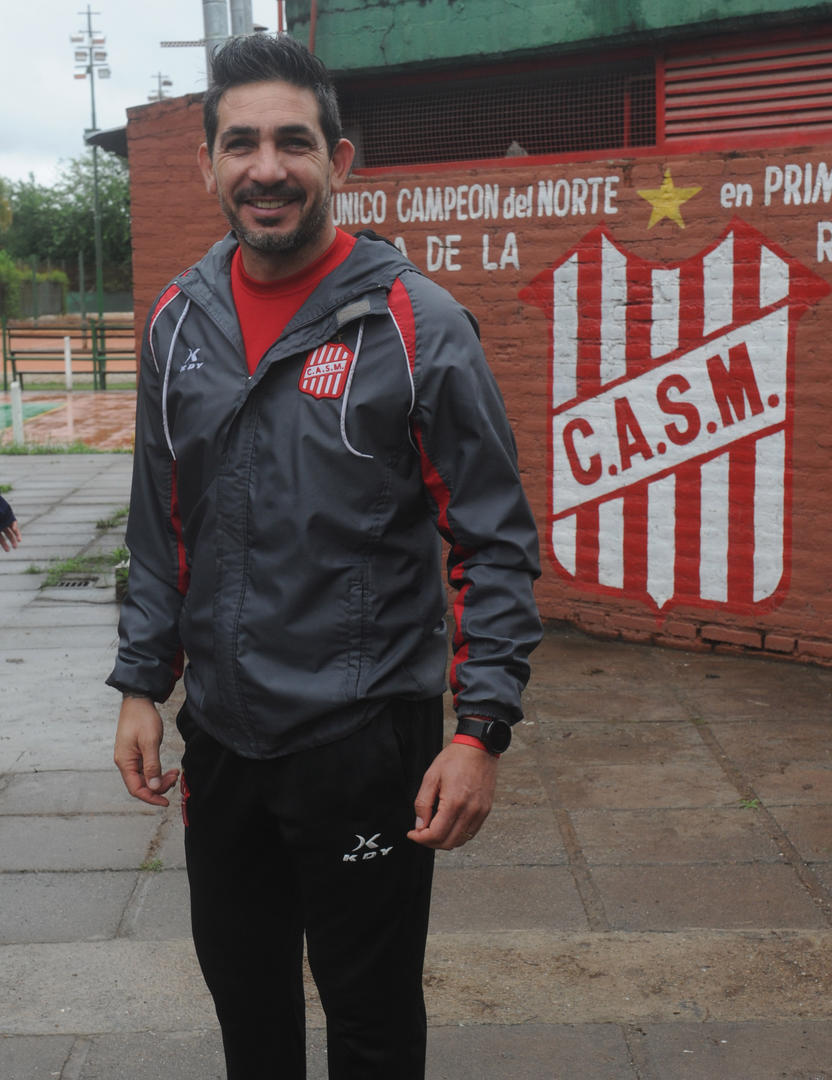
(326, 371)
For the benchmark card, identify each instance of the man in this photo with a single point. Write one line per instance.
(312, 413)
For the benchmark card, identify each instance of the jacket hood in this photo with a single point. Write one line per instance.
(374, 264)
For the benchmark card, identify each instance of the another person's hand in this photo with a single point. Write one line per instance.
(138, 738)
(460, 784)
(10, 536)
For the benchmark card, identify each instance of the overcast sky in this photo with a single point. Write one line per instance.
(45, 109)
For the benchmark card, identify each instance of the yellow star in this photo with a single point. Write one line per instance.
(667, 199)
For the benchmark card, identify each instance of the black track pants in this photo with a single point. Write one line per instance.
(314, 843)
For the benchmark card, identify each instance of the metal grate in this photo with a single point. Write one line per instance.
(76, 581)
(778, 87)
(537, 112)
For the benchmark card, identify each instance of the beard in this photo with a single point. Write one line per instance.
(313, 221)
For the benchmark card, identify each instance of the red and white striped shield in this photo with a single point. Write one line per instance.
(671, 406)
(326, 370)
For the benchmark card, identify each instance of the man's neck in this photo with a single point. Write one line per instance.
(274, 265)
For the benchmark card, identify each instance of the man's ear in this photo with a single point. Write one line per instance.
(341, 163)
(206, 167)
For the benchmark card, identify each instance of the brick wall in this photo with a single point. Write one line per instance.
(659, 327)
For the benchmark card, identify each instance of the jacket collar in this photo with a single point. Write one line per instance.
(355, 289)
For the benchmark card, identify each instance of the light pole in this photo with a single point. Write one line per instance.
(89, 58)
(162, 82)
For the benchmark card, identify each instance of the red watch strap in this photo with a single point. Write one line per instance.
(471, 740)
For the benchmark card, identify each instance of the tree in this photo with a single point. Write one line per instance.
(52, 224)
(5, 204)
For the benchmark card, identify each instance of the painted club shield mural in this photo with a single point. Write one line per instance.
(671, 419)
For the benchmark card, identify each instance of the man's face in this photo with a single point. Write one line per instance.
(273, 174)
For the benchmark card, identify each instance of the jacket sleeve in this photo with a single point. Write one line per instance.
(470, 471)
(149, 659)
(7, 515)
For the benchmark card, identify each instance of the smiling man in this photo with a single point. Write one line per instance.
(313, 415)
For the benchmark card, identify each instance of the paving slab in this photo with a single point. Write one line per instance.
(68, 791)
(188, 1055)
(518, 780)
(764, 744)
(18, 586)
(800, 783)
(169, 844)
(86, 906)
(809, 828)
(159, 908)
(718, 700)
(625, 744)
(694, 783)
(80, 842)
(672, 836)
(626, 705)
(29, 1058)
(59, 609)
(51, 638)
(681, 897)
(770, 1051)
(514, 836)
(523, 897)
(195, 1055)
(529, 1051)
(58, 736)
(15, 598)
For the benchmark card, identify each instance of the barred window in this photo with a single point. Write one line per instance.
(541, 111)
(765, 89)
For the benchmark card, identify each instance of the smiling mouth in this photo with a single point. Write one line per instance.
(269, 204)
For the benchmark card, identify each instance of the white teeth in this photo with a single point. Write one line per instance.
(268, 204)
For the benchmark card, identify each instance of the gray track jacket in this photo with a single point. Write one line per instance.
(284, 527)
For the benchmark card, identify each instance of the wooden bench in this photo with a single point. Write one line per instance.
(97, 349)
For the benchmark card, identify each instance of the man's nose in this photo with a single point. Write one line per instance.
(268, 165)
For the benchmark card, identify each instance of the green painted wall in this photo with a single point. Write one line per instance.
(355, 35)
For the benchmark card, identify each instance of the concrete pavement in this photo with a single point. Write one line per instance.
(651, 898)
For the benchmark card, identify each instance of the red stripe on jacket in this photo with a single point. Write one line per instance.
(183, 574)
(169, 294)
(402, 311)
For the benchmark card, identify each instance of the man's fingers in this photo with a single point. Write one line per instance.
(10, 536)
(138, 738)
(425, 801)
(450, 828)
(460, 784)
(137, 786)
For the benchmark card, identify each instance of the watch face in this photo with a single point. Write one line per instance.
(498, 736)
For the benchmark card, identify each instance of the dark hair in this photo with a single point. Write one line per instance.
(261, 58)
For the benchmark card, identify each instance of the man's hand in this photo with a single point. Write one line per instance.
(10, 536)
(460, 784)
(138, 738)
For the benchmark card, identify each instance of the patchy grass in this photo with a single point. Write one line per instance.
(16, 450)
(79, 564)
(114, 519)
(153, 866)
(5, 489)
(750, 804)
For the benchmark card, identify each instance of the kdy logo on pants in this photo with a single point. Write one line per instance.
(365, 850)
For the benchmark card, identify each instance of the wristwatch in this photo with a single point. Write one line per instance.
(495, 735)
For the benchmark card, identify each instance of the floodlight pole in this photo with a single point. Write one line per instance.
(96, 199)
